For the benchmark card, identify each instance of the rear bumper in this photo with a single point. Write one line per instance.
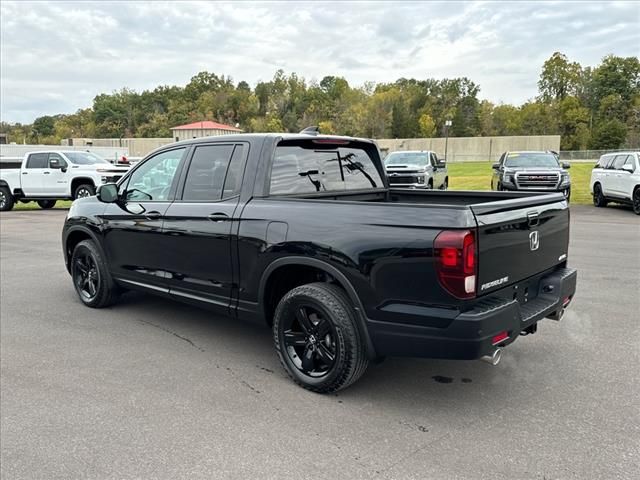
(469, 335)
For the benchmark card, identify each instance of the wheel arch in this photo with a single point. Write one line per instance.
(307, 265)
(73, 237)
(76, 182)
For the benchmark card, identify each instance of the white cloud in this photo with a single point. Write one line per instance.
(55, 57)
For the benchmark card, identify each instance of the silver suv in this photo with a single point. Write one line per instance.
(416, 169)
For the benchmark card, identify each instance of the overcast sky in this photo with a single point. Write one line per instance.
(57, 56)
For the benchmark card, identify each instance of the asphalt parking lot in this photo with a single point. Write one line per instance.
(155, 389)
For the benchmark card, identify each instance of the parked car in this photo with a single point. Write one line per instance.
(616, 178)
(416, 169)
(531, 171)
(48, 176)
(303, 233)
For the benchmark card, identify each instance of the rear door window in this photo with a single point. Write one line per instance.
(315, 166)
(38, 160)
(619, 161)
(207, 173)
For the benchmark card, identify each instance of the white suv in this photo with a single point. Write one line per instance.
(616, 178)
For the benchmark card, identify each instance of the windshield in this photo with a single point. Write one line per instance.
(407, 158)
(84, 158)
(526, 160)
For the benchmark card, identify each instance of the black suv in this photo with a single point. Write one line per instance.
(531, 171)
(302, 232)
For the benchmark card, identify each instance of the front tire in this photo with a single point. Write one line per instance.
(84, 190)
(91, 277)
(46, 204)
(317, 339)
(599, 199)
(6, 199)
(636, 201)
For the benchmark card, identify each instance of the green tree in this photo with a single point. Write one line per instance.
(559, 78)
(427, 125)
(610, 134)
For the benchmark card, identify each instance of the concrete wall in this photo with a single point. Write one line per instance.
(15, 152)
(137, 147)
(470, 149)
(180, 134)
(460, 149)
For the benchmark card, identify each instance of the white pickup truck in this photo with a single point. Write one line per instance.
(48, 176)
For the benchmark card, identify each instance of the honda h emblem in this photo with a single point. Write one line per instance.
(534, 240)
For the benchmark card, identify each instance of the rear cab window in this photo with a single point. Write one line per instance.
(324, 165)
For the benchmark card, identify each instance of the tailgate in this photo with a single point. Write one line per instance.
(517, 243)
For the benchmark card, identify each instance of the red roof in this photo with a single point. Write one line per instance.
(206, 125)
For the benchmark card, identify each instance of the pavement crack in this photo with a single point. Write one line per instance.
(174, 334)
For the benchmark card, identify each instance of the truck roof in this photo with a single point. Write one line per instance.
(237, 137)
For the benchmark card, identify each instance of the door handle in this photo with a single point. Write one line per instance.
(46, 173)
(24, 173)
(153, 215)
(218, 217)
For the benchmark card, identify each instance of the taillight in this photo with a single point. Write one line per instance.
(456, 262)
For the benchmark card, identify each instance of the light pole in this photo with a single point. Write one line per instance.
(447, 124)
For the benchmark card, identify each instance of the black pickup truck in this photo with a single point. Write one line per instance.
(302, 232)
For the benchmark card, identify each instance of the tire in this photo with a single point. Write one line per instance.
(599, 200)
(315, 324)
(636, 201)
(46, 204)
(445, 185)
(84, 190)
(6, 199)
(430, 184)
(91, 277)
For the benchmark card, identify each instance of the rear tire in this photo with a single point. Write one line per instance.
(317, 338)
(84, 190)
(599, 199)
(46, 204)
(636, 201)
(6, 199)
(445, 185)
(91, 277)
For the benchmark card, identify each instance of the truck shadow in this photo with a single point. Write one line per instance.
(408, 384)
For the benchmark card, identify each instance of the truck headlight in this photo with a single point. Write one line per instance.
(565, 178)
(508, 178)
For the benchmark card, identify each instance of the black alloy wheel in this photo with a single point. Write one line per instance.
(599, 199)
(310, 341)
(86, 276)
(91, 277)
(317, 339)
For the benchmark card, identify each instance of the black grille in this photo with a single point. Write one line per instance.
(539, 180)
(402, 179)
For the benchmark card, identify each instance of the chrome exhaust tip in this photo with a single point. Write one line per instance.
(494, 358)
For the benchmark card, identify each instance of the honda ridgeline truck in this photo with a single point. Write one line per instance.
(303, 233)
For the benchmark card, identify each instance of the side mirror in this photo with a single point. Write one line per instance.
(496, 166)
(107, 193)
(628, 168)
(55, 164)
(566, 165)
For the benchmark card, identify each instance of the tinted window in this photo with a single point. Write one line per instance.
(306, 167)
(604, 161)
(233, 181)
(153, 179)
(619, 161)
(207, 172)
(38, 160)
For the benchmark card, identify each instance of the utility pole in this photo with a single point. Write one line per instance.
(447, 124)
